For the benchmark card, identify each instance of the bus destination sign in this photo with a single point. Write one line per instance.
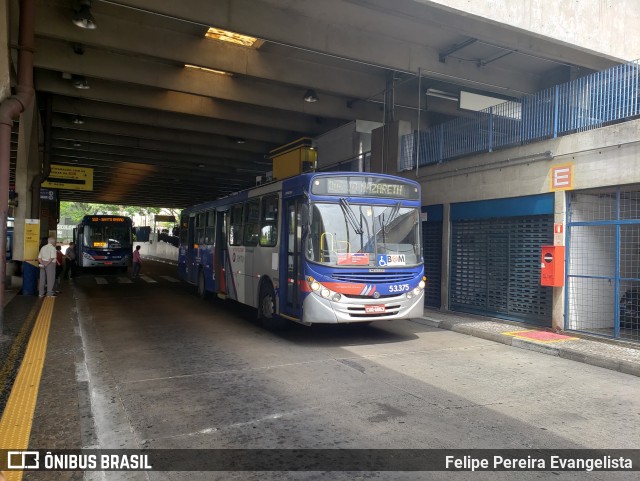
(107, 219)
(364, 187)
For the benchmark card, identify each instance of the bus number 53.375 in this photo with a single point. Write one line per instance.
(399, 288)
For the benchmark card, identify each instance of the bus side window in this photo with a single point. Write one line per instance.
(184, 226)
(269, 221)
(251, 222)
(210, 229)
(200, 225)
(235, 226)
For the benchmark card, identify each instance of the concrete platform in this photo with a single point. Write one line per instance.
(606, 353)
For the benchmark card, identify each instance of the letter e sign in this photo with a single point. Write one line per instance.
(562, 177)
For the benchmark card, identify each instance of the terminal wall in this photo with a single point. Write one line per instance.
(601, 157)
(604, 26)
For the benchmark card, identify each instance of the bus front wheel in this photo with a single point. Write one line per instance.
(267, 309)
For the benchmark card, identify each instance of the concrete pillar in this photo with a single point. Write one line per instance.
(27, 167)
(5, 80)
(446, 256)
(559, 217)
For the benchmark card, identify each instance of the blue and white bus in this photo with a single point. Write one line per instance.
(315, 248)
(104, 241)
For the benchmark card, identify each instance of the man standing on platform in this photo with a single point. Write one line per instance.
(47, 262)
(69, 262)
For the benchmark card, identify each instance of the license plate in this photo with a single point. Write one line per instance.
(108, 263)
(374, 309)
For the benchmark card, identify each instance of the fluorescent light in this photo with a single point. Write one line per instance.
(441, 94)
(232, 37)
(210, 70)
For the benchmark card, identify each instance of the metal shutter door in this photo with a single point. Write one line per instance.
(495, 267)
(432, 248)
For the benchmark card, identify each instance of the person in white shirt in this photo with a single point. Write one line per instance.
(47, 261)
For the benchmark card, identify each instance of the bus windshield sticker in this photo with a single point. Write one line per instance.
(355, 259)
(391, 260)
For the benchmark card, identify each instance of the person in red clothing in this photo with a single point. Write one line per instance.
(59, 264)
(137, 263)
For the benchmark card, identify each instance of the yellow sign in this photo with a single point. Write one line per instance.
(31, 240)
(561, 177)
(69, 178)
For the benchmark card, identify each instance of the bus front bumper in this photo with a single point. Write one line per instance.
(316, 309)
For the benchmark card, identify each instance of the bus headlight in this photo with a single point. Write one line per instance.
(416, 291)
(409, 295)
(87, 256)
(315, 285)
(422, 284)
(336, 297)
(325, 292)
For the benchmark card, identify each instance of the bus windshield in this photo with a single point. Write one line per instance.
(107, 236)
(365, 235)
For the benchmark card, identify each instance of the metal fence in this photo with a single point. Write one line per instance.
(586, 103)
(603, 281)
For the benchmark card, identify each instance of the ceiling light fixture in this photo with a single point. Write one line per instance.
(310, 96)
(210, 70)
(77, 144)
(441, 94)
(232, 37)
(82, 15)
(81, 83)
(78, 120)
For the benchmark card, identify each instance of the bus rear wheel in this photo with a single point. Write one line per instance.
(202, 292)
(267, 309)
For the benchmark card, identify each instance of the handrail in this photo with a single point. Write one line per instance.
(586, 103)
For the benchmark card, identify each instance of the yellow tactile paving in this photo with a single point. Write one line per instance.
(15, 427)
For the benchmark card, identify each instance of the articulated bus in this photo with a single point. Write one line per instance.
(104, 241)
(316, 248)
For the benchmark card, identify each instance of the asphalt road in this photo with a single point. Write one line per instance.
(170, 370)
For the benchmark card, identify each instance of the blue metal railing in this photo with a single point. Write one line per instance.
(586, 103)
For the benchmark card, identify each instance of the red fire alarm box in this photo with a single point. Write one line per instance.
(552, 267)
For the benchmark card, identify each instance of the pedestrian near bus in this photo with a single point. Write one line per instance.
(69, 262)
(137, 263)
(47, 263)
(59, 264)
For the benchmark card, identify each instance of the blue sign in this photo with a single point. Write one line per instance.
(47, 194)
(382, 260)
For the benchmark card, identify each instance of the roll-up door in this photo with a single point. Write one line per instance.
(432, 247)
(495, 258)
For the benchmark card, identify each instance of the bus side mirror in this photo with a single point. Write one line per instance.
(304, 214)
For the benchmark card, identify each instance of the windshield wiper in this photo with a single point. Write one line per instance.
(350, 216)
(392, 216)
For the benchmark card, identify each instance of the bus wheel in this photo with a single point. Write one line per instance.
(267, 308)
(201, 290)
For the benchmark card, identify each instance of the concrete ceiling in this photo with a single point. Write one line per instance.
(158, 134)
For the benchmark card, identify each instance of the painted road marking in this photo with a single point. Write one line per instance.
(170, 279)
(17, 418)
(540, 336)
(124, 280)
(148, 279)
(101, 280)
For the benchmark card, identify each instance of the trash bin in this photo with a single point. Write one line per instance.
(30, 275)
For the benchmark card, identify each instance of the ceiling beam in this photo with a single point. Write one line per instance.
(120, 34)
(169, 120)
(157, 149)
(58, 56)
(362, 37)
(135, 95)
(90, 126)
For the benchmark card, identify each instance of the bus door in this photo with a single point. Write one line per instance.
(220, 253)
(192, 268)
(291, 268)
